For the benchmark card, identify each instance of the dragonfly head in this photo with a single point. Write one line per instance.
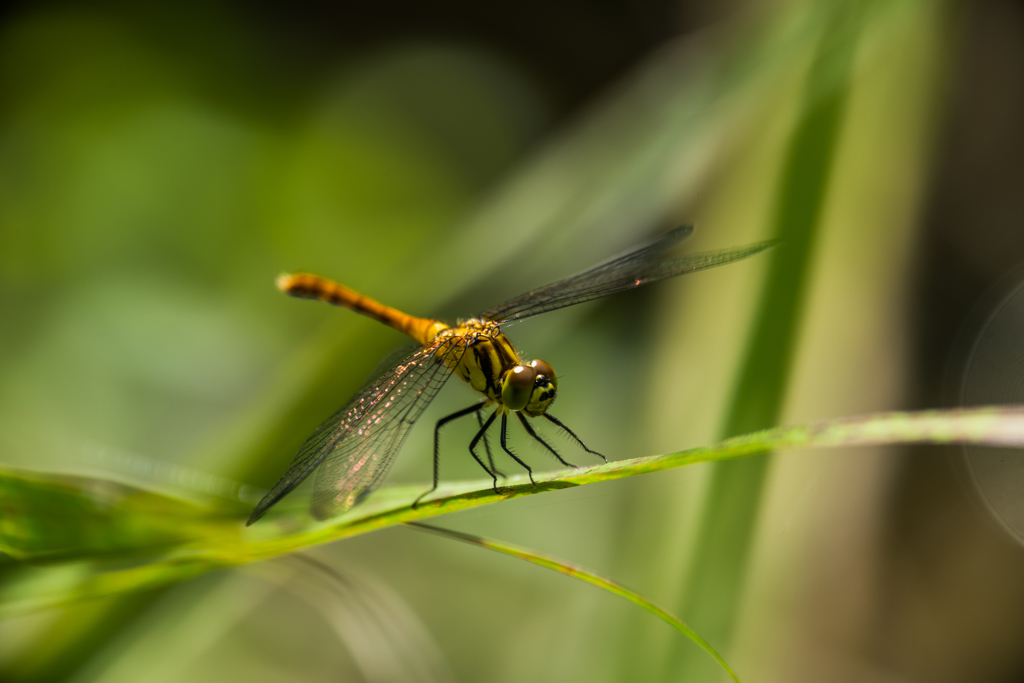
(529, 388)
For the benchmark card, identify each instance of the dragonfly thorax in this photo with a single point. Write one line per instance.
(482, 357)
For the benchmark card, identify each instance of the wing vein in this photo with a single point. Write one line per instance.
(640, 267)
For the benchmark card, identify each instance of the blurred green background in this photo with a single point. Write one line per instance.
(159, 166)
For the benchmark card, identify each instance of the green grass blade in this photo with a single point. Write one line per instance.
(222, 540)
(583, 574)
(711, 594)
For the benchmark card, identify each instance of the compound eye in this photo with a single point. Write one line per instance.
(542, 368)
(516, 386)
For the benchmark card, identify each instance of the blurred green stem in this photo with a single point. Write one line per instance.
(583, 574)
(711, 598)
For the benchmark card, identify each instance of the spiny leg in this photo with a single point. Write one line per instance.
(504, 446)
(571, 433)
(531, 432)
(437, 447)
(476, 439)
(487, 446)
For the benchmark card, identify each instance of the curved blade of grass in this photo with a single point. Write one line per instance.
(222, 540)
(583, 574)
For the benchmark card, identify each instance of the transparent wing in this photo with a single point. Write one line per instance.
(638, 267)
(355, 467)
(356, 446)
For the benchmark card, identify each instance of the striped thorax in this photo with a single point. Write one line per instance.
(482, 357)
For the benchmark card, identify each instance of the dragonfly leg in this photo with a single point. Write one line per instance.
(487, 446)
(571, 433)
(437, 447)
(482, 434)
(504, 446)
(535, 435)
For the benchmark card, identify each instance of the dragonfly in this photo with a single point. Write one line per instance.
(353, 449)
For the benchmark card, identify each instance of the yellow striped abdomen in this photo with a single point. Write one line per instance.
(476, 350)
(309, 286)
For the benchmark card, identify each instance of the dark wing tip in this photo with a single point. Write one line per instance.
(664, 241)
(261, 508)
(680, 232)
(283, 487)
